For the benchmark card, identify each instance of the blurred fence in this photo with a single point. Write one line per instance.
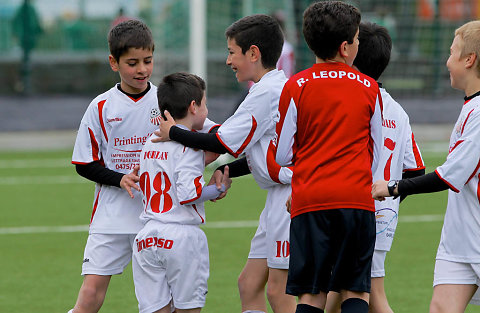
(70, 55)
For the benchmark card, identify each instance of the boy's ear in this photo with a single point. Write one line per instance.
(192, 108)
(471, 60)
(255, 54)
(113, 63)
(343, 49)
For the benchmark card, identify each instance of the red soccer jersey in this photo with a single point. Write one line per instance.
(329, 128)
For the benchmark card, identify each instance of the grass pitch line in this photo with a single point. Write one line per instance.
(216, 225)
(32, 163)
(42, 180)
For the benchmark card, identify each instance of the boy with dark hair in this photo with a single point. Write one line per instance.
(400, 157)
(330, 130)
(457, 266)
(254, 45)
(107, 149)
(170, 257)
(111, 135)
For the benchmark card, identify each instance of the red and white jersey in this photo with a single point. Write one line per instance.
(113, 131)
(399, 153)
(461, 228)
(330, 130)
(251, 128)
(171, 178)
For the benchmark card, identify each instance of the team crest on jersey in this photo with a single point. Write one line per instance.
(155, 116)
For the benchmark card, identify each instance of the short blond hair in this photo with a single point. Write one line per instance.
(470, 34)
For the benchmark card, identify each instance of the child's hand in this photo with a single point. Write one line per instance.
(289, 203)
(380, 190)
(218, 178)
(130, 181)
(164, 128)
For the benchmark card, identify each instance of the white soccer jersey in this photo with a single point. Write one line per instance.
(171, 178)
(399, 153)
(113, 131)
(252, 127)
(461, 227)
(286, 61)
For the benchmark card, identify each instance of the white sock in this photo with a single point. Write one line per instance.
(71, 311)
(253, 311)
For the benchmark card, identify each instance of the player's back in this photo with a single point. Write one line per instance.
(333, 146)
(171, 176)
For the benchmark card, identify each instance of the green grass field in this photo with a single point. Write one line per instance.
(43, 197)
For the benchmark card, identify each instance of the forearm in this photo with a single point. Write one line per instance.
(202, 141)
(95, 172)
(209, 193)
(422, 184)
(237, 168)
(411, 174)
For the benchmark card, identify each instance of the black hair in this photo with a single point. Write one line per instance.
(262, 31)
(374, 50)
(176, 92)
(327, 24)
(129, 34)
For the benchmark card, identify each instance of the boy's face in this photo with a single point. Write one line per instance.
(201, 114)
(240, 63)
(352, 50)
(135, 68)
(456, 63)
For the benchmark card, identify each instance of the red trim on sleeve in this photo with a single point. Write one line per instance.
(465, 122)
(446, 182)
(245, 143)
(195, 208)
(95, 205)
(416, 154)
(198, 187)
(216, 125)
(272, 166)
(95, 149)
(456, 145)
(474, 172)
(100, 118)
(478, 191)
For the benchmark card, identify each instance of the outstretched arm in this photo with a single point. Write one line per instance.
(168, 131)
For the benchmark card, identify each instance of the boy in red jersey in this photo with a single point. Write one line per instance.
(330, 129)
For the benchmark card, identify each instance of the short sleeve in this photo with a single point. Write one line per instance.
(89, 137)
(189, 175)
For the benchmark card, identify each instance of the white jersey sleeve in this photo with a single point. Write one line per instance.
(91, 134)
(464, 156)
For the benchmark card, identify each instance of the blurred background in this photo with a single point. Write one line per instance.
(55, 54)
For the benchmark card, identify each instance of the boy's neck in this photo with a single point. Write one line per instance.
(261, 72)
(186, 122)
(336, 59)
(135, 96)
(472, 86)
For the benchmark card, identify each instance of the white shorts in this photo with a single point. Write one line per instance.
(378, 263)
(271, 241)
(107, 254)
(170, 262)
(449, 272)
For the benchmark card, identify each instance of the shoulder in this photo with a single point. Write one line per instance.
(391, 105)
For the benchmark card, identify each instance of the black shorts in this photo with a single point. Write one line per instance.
(331, 250)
